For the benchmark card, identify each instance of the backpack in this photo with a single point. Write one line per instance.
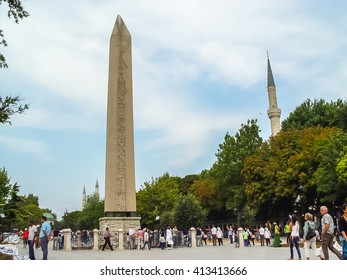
(310, 232)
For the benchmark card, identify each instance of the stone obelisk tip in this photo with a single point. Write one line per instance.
(120, 27)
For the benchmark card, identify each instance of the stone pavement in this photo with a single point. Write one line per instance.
(209, 252)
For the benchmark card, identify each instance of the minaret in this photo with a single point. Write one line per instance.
(273, 112)
(97, 188)
(84, 197)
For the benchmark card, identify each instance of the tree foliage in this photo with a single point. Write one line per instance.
(88, 217)
(341, 167)
(71, 220)
(226, 171)
(187, 212)
(9, 106)
(17, 12)
(294, 158)
(206, 193)
(91, 213)
(156, 198)
(17, 209)
(319, 112)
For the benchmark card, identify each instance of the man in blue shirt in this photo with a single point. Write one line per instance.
(44, 236)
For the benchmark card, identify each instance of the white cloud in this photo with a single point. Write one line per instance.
(26, 146)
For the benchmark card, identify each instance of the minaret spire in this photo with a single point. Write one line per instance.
(273, 112)
(84, 197)
(97, 188)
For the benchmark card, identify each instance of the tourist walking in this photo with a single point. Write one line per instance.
(175, 236)
(169, 240)
(162, 240)
(146, 239)
(261, 235)
(245, 237)
(310, 241)
(31, 239)
(56, 232)
(287, 231)
(251, 237)
(24, 236)
(230, 233)
(267, 236)
(214, 235)
(328, 234)
(44, 236)
(107, 237)
(204, 237)
(219, 236)
(140, 235)
(294, 238)
(198, 237)
(343, 230)
(131, 238)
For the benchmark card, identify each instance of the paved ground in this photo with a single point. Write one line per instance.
(209, 252)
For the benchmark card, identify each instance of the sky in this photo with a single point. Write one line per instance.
(199, 71)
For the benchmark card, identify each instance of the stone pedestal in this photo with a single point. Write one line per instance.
(120, 239)
(240, 231)
(117, 223)
(193, 237)
(67, 239)
(96, 239)
(79, 239)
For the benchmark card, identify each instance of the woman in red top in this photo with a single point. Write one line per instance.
(25, 236)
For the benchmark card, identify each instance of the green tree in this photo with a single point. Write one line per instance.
(91, 213)
(186, 182)
(318, 112)
(71, 220)
(292, 159)
(17, 12)
(230, 160)
(5, 187)
(13, 214)
(331, 188)
(30, 210)
(10, 106)
(188, 213)
(156, 198)
(205, 191)
(341, 167)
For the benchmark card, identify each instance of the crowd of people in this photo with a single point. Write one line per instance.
(308, 233)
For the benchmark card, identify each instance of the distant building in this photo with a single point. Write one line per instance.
(84, 194)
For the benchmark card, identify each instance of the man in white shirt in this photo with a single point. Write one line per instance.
(31, 239)
(261, 235)
(214, 235)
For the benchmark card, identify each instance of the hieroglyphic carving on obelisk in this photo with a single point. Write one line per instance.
(120, 196)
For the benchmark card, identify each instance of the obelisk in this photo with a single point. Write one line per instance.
(120, 190)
